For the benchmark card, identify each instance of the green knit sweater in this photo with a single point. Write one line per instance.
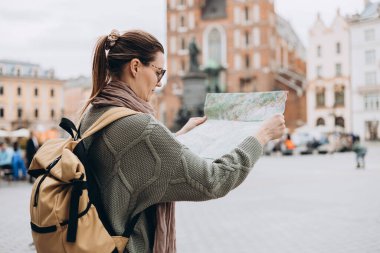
(137, 162)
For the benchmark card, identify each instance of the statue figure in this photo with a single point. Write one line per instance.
(193, 52)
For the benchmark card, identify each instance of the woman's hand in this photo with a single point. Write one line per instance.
(273, 128)
(193, 122)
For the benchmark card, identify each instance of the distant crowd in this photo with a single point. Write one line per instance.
(14, 161)
(305, 144)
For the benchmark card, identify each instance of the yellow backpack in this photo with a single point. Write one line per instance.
(63, 219)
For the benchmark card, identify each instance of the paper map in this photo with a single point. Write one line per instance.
(231, 117)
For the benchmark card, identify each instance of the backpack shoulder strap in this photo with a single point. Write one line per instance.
(107, 118)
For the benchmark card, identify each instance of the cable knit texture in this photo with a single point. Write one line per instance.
(137, 163)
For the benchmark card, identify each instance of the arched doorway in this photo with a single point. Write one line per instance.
(339, 121)
(320, 122)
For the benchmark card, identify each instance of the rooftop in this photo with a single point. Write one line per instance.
(24, 69)
(371, 12)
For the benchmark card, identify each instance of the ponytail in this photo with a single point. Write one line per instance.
(112, 52)
(100, 75)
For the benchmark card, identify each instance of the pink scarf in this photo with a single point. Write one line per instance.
(117, 93)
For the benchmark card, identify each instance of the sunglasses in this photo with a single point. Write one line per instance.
(159, 74)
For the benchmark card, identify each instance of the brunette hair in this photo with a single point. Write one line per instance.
(113, 51)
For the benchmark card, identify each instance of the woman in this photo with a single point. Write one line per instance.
(136, 162)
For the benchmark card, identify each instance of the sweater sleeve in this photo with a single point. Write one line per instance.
(193, 178)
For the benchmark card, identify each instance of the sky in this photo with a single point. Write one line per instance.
(61, 34)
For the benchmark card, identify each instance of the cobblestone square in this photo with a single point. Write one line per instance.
(305, 204)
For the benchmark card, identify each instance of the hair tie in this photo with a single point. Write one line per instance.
(112, 38)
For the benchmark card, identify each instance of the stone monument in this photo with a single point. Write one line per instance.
(194, 87)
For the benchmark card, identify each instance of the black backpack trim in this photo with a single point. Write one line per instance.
(43, 230)
(50, 229)
(69, 127)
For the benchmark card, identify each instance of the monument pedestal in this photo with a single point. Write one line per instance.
(194, 92)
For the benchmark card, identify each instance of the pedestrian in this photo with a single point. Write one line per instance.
(6, 161)
(288, 147)
(360, 151)
(18, 163)
(31, 149)
(137, 165)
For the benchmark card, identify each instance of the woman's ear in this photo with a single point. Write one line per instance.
(134, 66)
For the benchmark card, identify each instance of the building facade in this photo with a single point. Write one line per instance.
(244, 47)
(365, 71)
(76, 92)
(328, 75)
(30, 97)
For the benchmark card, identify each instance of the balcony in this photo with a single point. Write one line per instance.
(367, 89)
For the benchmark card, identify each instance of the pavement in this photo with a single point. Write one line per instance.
(305, 204)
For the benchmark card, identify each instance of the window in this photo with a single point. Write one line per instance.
(52, 113)
(212, 9)
(370, 78)
(319, 71)
(246, 12)
(237, 38)
(182, 21)
(247, 38)
(370, 57)
(247, 61)
(237, 62)
(1, 90)
(256, 13)
(183, 43)
(19, 113)
(172, 4)
(371, 130)
(214, 40)
(19, 91)
(173, 22)
(35, 92)
(256, 36)
(339, 95)
(337, 47)
(256, 60)
(191, 20)
(338, 69)
(372, 102)
(319, 51)
(320, 97)
(369, 35)
(183, 66)
(1, 71)
(236, 15)
(36, 113)
(52, 93)
(244, 83)
(1, 112)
